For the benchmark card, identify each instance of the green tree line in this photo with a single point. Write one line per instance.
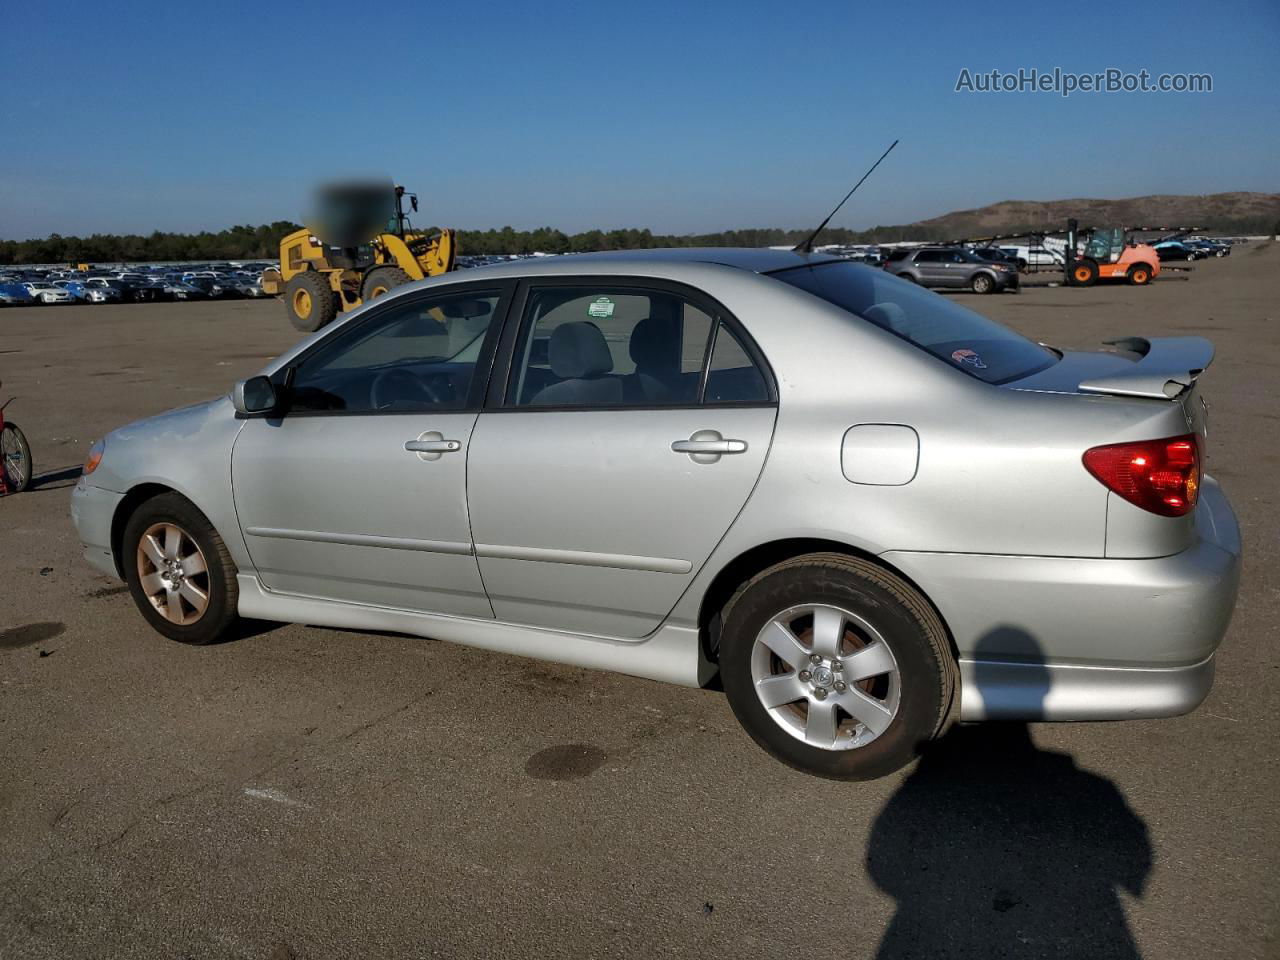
(263, 242)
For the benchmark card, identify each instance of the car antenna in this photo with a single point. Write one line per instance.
(806, 245)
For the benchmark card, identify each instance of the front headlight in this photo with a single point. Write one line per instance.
(96, 450)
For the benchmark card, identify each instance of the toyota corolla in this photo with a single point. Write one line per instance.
(869, 510)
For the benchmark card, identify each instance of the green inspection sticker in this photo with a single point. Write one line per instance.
(600, 307)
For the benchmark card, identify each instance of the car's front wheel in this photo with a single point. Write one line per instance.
(179, 572)
(836, 666)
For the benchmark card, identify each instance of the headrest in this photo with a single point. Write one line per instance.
(652, 345)
(890, 316)
(578, 351)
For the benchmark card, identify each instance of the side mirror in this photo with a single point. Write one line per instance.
(255, 397)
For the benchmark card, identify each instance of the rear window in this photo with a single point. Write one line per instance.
(952, 333)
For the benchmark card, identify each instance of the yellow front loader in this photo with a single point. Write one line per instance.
(318, 280)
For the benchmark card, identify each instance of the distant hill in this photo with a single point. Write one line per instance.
(1245, 213)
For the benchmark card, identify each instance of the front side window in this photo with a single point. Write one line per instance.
(625, 346)
(950, 332)
(419, 354)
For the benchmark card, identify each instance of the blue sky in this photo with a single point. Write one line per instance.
(682, 117)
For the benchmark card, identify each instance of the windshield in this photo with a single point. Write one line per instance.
(959, 337)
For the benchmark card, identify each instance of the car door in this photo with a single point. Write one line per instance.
(956, 270)
(631, 429)
(358, 492)
(929, 267)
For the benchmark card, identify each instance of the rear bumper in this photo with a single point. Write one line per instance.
(92, 511)
(1069, 638)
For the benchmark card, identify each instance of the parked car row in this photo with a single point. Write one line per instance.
(30, 287)
(1187, 248)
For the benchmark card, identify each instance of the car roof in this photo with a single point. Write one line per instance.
(753, 259)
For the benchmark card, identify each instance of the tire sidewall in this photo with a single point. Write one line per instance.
(21, 438)
(392, 276)
(175, 509)
(923, 680)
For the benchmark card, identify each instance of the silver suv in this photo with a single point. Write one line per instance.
(951, 267)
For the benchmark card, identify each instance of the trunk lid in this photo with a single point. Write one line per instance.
(1160, 369)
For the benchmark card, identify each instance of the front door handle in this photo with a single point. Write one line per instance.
(708, 446)
(432, 445)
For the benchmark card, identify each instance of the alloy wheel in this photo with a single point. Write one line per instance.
(826, 676)
(173, 573)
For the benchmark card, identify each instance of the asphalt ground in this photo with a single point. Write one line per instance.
(315, 793)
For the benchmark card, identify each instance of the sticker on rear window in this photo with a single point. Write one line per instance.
(969, 357)
(600, 307)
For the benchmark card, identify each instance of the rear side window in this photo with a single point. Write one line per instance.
(897, 255)
(589, 346)
(733, 377)
(952, 333)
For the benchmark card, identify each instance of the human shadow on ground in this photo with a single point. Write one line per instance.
(993, 847)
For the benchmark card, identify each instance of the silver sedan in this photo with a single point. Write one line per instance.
(868, 510)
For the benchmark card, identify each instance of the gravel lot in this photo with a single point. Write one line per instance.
(314, 793)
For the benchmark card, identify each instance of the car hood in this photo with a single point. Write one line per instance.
(166, 447)
(172, 423)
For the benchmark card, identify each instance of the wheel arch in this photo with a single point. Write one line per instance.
(761, 557)
(133, 499)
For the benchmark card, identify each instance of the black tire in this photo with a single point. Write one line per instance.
(907, 277)
(310, 301)
(17, 458)
(382, 280)
(983, 283)
(218, 582)
(1022, 265)
(1084, 273)
(904, 619)
(1140, 274)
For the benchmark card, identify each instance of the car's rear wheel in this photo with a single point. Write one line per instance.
(908, 277)
(836, 666)
(179, 572)
(982, 283)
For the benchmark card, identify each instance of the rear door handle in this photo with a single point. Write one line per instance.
(431, 445)
(708, 446)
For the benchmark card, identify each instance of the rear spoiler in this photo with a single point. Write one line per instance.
(1166, 368)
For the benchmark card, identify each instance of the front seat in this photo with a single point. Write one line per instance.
(580, 357)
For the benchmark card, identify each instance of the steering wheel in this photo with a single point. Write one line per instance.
(398, 385)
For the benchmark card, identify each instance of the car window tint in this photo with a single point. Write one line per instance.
(954, 334)
(597, 346)
(733, 376)
(418, 355)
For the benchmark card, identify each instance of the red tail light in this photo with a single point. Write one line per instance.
(1162, 476)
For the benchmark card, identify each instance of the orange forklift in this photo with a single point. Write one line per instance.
(1109, 253)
